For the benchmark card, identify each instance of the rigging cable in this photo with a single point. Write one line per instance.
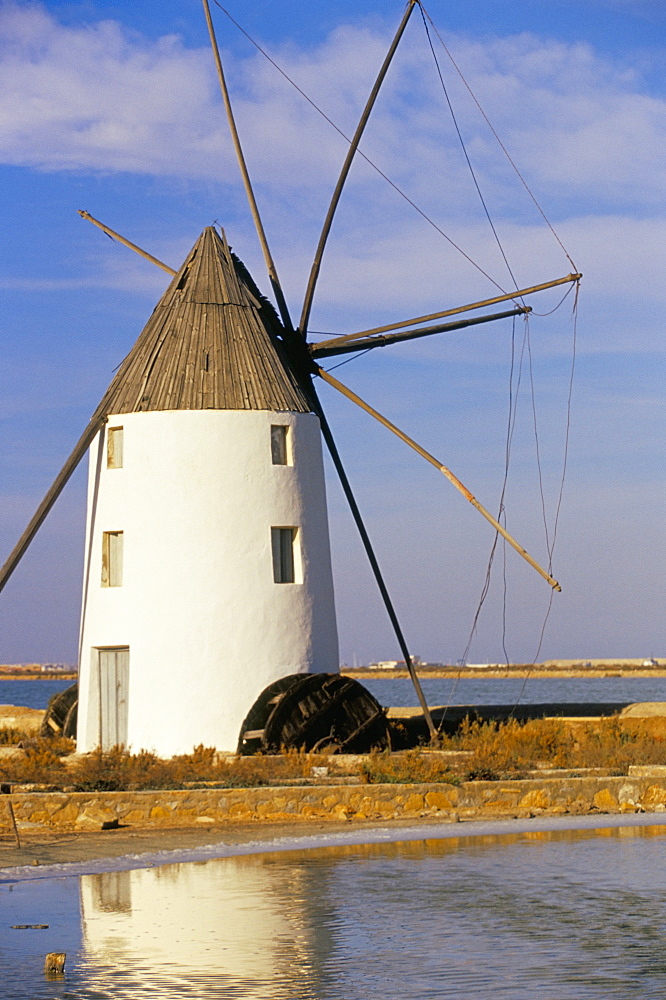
(511, 423)
(560, 303)
(513, 396)
(353, 357)
(535, 426)
(574, 347)
(464, 149)
(550, 543)
(360, 152)
(499, 141)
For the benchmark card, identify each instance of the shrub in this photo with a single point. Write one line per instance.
(40, 765)
(10, 737)
(412, 767)
(512, 747)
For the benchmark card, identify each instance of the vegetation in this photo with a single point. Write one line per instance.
(413, 767)
(44, 762)
(11, 737)
(479, 750)
(492, 751)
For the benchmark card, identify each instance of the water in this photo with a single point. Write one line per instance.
(30, 694)
(509, 690)
(438, 691)
(568, 915)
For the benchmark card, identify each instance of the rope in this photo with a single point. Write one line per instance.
(464, 149)
(359, 354)
(535, 426)
(574, 349)
(560, 303)
(511, 423)
(574, 344)
(526, 345)
(367, 159)
(499, 141)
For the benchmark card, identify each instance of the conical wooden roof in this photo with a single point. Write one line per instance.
(210, 344)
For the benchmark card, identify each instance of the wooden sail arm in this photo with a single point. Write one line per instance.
(121, 239)
(96, 423)
(518, 294)
(327, 377)
(327, 349)
(249, 192)
(351, 152)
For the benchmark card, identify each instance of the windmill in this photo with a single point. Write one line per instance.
(207, 611)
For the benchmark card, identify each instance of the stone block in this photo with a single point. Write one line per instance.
(158, 814)
(605, 801)
(438, 800)
(653, 797)
(538, 798)
(414, 804)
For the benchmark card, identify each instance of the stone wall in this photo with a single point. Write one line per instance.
(644, 790)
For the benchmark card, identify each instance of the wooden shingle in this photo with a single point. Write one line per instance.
(207, 345)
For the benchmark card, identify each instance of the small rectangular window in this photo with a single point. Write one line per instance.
(282, 542)
(114, 448)
(279, 444)
(112, 559)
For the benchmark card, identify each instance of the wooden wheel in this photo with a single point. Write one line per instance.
(315, 712)
(61, 713)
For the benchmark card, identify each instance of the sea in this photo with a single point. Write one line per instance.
(399, 691)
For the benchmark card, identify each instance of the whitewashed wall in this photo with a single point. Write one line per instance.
(206, 626)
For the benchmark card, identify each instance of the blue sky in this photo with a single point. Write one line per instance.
(113, 107)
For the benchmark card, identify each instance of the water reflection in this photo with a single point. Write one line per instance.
(550, 914)
(235, 929)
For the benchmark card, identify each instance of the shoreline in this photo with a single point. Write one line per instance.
(505, 673)
(57, 856)
(443, 673)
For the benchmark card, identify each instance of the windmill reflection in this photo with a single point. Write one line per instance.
(241, 927)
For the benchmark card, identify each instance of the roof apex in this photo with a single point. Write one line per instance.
(211, 343)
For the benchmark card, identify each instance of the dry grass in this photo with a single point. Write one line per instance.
(413, 767)
(118, 770)
(11, 737)
(511, 748)
(493, 752)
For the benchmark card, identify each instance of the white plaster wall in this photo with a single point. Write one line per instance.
(206, 626)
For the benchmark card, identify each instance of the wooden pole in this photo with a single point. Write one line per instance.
(519, 293)
(327, 377)
(327, 349)
(6, 790)
(121, 239)
(367, 545)
(47, 503)
(351, 152)
(270, 265)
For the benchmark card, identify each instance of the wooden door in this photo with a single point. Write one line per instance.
(113, 673)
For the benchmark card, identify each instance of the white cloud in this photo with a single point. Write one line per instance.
(99, 98)
(96, 97)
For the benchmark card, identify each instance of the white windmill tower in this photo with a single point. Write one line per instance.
(207, 551)
(207, 579)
